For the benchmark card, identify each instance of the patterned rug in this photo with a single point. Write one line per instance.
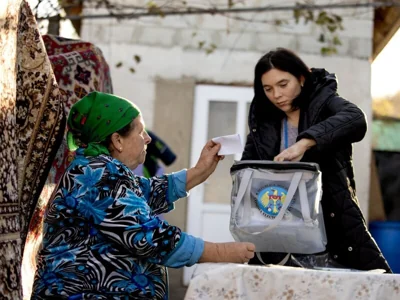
(32, 123)
(79, 68)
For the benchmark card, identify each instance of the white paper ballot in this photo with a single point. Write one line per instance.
(230, 144)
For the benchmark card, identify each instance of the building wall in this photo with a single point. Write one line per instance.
(172, 63)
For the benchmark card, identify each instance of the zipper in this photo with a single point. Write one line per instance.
(265, 164)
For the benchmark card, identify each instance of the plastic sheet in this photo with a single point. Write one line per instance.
(276, 206)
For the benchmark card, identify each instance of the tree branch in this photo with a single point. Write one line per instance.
(212, 11)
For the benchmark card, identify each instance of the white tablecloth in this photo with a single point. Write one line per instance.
(233, 281)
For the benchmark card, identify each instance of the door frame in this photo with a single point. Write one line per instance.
(204, 94)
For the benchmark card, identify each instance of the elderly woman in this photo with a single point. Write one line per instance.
(102, 237)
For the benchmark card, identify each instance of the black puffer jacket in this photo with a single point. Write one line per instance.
(334, 123)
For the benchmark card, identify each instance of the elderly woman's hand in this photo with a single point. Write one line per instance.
(209, 158)
(232, 252)
(205, 166)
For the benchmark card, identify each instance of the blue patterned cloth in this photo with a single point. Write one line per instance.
(102, 238)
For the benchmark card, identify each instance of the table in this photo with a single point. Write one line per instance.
(234, 281)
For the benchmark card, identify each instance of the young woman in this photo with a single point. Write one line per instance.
(297, 115)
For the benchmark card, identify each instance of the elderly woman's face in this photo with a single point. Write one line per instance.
(281, 88)
(134, 145)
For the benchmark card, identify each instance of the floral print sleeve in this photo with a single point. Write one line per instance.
(126, 215)
(163, 191)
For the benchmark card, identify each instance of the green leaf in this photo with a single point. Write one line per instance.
(151, 4)
(324, 51)
(154, 8)
(331, 28)
(330, 20)
(132, 70)
(209, 51)
(161, 13)
(137, 58)
(118, 65)
(310, 15)
(336, 40)
(321, 38)
(328, 50)
(297, 14)
(323, 13)
(338, 18)
(280, 22)
(321, 19)
(201, 44)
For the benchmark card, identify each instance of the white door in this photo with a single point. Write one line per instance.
(218, 110)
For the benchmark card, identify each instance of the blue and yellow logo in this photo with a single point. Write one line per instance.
(271, 199)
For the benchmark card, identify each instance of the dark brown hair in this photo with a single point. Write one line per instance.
(284, 60)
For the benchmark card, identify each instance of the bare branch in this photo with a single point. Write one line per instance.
(198, 11)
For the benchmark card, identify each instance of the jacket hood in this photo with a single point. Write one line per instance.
(323, 81)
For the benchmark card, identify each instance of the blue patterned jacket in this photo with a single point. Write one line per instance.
(102, 238)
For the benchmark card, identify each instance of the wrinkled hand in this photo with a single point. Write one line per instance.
(206, 164)
(235, 252)
(296, 151)
(209, 158)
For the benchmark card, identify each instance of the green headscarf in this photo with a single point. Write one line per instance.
(96, 116)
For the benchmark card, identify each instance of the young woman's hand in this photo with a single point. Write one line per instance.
(296, 151)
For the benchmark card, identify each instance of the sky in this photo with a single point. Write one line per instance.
(385, 78)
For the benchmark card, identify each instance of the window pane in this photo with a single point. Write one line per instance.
(222, 121)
